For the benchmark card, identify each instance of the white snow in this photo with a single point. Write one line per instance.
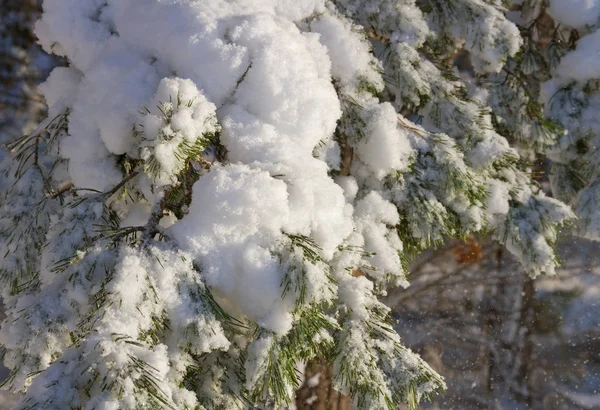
(236, 214)
(583, 63)
(386, 146)
(262, 98)
(575, 13)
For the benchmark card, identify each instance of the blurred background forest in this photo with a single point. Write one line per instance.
(501, 340)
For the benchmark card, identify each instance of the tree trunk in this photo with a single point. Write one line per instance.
(523, 355)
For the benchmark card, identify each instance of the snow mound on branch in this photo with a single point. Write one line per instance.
(146, 78)
(582, 64)
(386, 146)
(575, 13)
(236, 213)
(244, 64)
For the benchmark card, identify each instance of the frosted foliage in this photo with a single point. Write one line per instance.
(223, 189)
(22, 201)
(572, 98)
(123, 347)
(588, 202)
(491, 43)
(179, 117)
(366, 342)
(402, 20)
(528, 235)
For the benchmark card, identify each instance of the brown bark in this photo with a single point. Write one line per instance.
(321, 395)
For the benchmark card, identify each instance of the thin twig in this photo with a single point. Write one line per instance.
(116, 188)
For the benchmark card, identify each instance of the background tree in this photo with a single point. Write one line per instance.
(22, 66)
(220, 193)
(500, 339)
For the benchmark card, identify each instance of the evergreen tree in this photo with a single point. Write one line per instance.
(222, 190)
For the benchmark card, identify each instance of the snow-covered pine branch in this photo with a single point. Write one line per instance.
(222, 190)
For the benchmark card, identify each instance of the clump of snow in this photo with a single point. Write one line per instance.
(374, 215)
(235, 216)
(385, 146)
(351, 60)
(575, 13)
(581, 64)
(498, 197)
(314, 380)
